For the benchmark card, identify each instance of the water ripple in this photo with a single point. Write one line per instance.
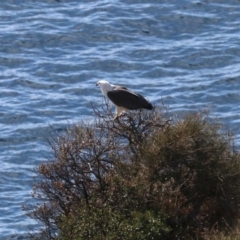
(52, 52)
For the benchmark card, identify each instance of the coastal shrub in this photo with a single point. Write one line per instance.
(142, 176)
(199, 172)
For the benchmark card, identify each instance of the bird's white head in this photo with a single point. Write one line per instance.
(105, 86)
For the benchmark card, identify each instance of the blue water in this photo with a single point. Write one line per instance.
(184, 52)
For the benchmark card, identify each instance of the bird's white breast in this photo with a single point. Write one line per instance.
(105, 88)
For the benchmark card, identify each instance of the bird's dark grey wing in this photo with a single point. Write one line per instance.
(123, 97)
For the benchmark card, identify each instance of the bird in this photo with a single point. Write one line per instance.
(123, 98)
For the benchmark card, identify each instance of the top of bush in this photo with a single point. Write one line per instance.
(142, 176)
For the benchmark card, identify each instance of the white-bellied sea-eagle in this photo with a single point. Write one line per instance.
(123, 98)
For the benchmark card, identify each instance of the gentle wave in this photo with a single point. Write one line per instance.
(185, 53)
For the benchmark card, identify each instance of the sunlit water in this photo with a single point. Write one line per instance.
(186, 53)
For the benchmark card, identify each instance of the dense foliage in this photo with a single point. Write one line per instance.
(142, 176)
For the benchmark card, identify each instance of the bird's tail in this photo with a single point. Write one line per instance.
(149, 106)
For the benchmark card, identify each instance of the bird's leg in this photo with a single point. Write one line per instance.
(115, 117)
(119, 112)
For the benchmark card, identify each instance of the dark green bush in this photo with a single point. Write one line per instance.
(141, 176)
(194, 161)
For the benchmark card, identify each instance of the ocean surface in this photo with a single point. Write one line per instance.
(183, 52)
